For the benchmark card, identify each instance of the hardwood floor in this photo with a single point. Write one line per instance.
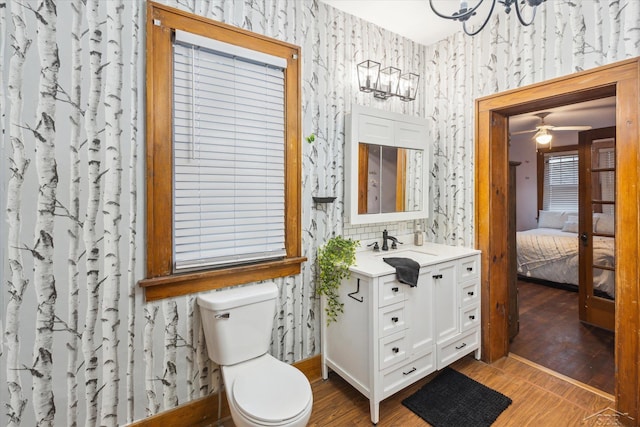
(552, 335)
(540, 399)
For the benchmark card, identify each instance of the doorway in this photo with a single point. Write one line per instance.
(554, 199)
(623, 81)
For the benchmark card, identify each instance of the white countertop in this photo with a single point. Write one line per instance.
(370, 263)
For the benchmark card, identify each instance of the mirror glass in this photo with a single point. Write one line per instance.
(389, 179)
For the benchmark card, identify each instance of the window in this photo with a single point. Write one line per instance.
(223, 156)
(560, 181)
(228, 149)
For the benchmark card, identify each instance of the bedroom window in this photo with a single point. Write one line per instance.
(223, 155)
(560, 181)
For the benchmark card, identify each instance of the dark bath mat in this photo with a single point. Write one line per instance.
(454, 400)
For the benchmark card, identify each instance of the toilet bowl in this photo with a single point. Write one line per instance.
(267, 392)
(261, 390)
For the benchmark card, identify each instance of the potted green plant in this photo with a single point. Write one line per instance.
(334, 260)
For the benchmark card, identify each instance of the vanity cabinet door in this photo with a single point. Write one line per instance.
(446, 306)
(419, 305)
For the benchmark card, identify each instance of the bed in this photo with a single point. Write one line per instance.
(550, 253)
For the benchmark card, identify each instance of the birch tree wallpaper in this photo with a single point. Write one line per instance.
(80, 346)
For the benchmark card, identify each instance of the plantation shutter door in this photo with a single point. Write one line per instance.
(228, 154)
(560, 191)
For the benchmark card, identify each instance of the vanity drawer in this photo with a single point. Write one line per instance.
(470, 317)
(390, 291)
(393, 349)
(469, 268)
(397, 378)
(470, 293)
(392, 319)
(449, 352)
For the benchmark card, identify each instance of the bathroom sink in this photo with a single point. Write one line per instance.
(406, 253)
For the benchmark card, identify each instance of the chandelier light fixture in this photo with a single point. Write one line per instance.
(387, 82)
(525, 10)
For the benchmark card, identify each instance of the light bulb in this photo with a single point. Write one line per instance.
(543, 137)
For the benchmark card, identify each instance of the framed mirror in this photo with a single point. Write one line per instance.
(386, 163)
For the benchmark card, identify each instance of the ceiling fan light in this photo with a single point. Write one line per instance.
(543, 137)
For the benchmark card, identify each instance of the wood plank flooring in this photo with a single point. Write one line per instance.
(540, 399)
(552, 335)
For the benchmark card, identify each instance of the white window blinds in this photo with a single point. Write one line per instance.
(560, 192)
(228, 154)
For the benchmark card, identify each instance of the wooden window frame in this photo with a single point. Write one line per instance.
(540, 168)
(160, 280)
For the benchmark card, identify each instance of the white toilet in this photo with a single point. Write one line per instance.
(261, 390)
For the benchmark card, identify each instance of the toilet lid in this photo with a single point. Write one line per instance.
(271, 395)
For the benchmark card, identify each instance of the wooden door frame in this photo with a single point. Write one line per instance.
(621, 79)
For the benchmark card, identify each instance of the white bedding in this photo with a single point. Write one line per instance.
(551, 254)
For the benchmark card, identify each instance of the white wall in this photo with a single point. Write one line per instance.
(523, 149)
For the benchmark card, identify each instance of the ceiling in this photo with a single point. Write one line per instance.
(597, 113)
(412, 19)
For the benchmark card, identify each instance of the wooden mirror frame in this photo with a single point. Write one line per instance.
(621, 79)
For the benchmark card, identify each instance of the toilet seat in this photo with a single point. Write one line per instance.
(271, 393)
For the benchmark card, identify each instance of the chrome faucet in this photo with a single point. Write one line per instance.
(385, 237)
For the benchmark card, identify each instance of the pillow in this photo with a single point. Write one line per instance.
(550, 219)
(605, 224)
(571, 224)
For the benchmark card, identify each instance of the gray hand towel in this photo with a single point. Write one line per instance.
(407, 270)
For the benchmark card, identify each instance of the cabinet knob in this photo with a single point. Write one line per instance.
(469, 268)
(464, 344)
(437, 276)
(394, 319)
(470, 293)
(472, 317)
(395, 349)
(394, 289)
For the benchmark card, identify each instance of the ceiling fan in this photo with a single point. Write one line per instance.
(543, 131)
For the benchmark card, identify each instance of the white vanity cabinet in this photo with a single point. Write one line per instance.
(390, 335)
(457, 309)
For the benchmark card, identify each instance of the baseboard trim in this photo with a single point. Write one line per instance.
(204, 411)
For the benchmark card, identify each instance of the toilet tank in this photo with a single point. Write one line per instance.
(237, 322)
